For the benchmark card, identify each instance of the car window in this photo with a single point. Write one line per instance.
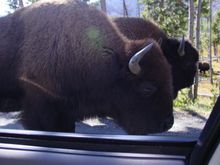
(86, 67)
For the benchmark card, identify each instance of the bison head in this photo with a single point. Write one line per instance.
(143, 97)
(183, 58)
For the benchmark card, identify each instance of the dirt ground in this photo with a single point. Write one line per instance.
(187, 123)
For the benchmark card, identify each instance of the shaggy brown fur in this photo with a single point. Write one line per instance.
(33, 84)
(183, 67)
(75, 52)
(138, 28)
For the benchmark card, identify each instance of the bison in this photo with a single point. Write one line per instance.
(68, 61)
(203, 67)
(181, 55)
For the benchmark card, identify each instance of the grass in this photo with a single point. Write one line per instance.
(216, 66)
(202, 105)
(207, 94)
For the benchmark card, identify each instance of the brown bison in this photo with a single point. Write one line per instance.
(203, 67)
(181, 55)
(68, 61)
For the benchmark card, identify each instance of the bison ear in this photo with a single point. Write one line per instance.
(133, 64)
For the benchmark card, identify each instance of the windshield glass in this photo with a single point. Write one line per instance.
(108, 67)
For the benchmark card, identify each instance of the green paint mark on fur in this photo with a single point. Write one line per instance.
(95, 37)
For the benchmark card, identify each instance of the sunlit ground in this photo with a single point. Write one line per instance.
(187, 123)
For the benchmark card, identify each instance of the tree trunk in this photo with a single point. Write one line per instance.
(103, 5)
(125, 10)
(190, 33)
(21, 4)
(191, 20)
(215, 48)
(197, 46)
(162, 4)
(217, 52)
(210, 43)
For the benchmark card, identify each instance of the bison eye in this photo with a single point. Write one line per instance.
(147, 89)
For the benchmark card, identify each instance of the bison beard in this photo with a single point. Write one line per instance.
(183, 63)
(69, 62)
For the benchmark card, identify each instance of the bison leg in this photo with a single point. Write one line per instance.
(46, 114)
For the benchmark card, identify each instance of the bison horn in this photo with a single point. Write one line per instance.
(133, 65)
(160, 41)
(181, 49)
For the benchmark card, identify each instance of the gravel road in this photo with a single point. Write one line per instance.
(187, 123)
